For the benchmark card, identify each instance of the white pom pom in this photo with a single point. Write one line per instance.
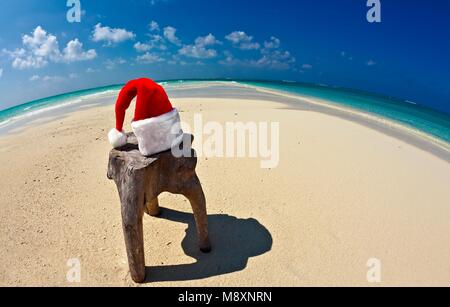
(117, 139)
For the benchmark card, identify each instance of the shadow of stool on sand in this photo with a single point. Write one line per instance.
(234, 242)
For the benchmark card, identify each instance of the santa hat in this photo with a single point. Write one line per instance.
(156, 123)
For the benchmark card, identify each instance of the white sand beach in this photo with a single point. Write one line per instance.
(343, 193)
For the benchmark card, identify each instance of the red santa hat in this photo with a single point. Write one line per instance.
(156, 123)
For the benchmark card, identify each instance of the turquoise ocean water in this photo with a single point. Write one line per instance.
(407, 113)
(41, 106)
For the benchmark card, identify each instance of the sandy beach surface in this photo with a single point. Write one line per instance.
(343, 193)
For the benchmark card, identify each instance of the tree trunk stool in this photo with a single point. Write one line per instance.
(140, 180)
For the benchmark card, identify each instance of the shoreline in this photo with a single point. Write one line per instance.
(391, 127)
(370, 116)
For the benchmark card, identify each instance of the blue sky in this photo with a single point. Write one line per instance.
(407, 55)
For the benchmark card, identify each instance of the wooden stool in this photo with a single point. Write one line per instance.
(140, 180)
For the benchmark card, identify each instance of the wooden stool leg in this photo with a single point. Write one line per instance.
(132, 214)
(152, 207)
(194, 193)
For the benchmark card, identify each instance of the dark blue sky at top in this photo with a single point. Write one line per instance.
(407, 55)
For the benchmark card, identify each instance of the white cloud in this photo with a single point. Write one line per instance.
(91, 70)
(38, 49)
(41, 47)
(371, 63)
(273, 43)
(142, 47)
(111, 35)
(74, 52)
(277, 59)
(112, 63)
(21, 60)
(241, 40)
(307, 66)
(156, 42)
(42, 44)
(149, 58)
(1, 72)
(154, 26)
(207, 40)
(198, 52)
(47, 78)
(199, 49)
(272, 57)
(170, 35)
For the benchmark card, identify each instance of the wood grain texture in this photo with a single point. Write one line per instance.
(140, 180)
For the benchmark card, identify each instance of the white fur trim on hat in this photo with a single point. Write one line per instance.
(117, 139)
(158, 134)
